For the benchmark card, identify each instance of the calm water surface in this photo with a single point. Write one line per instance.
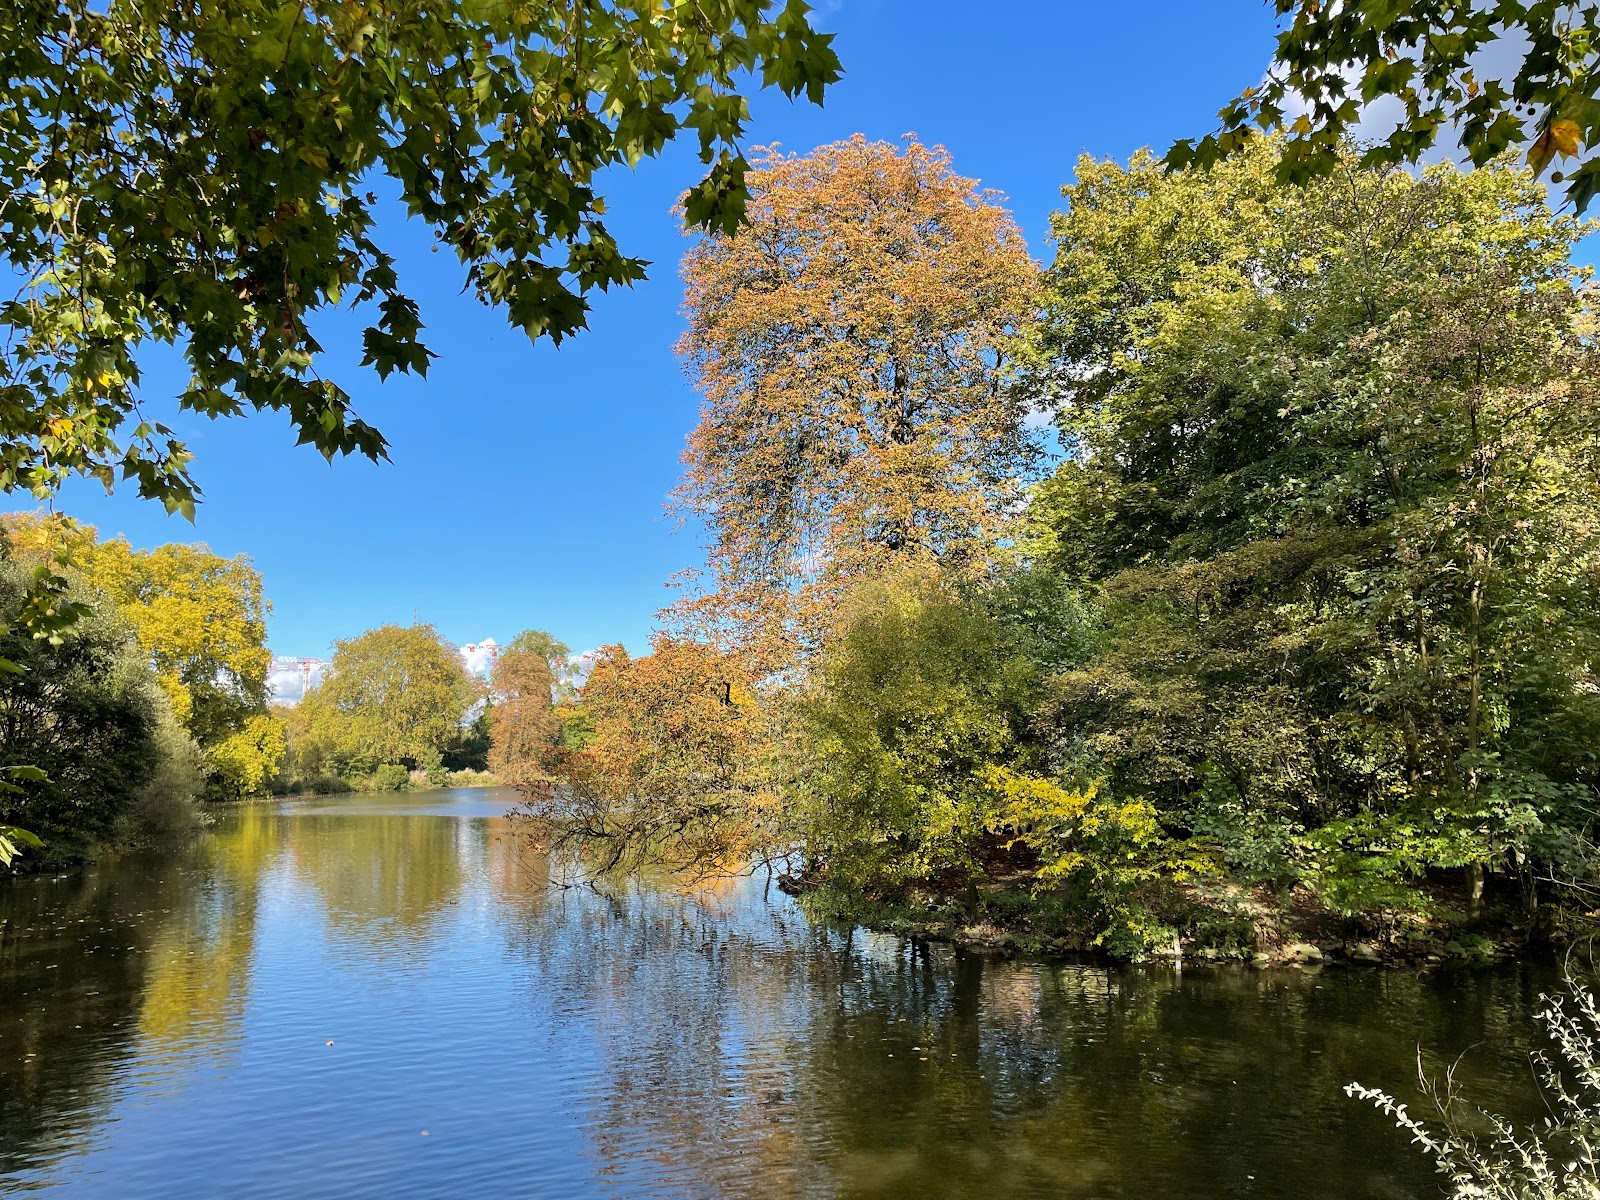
(385, 997)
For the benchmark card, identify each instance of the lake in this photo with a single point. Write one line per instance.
(389, 996)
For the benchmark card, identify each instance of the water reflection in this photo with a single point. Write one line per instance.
(284, 1009)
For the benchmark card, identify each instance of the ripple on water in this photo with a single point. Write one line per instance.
(382, 996)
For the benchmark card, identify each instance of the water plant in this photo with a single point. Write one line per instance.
(1487, 1156)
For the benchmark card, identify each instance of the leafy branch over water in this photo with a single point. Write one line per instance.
(1559, 1160)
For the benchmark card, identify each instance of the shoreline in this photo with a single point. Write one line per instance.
(1229, 926)
(1470, 951)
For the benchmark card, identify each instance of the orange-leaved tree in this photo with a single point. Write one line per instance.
(850, 345)
(523, 729)
(676, 764)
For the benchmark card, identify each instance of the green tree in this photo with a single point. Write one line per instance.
(556, 654)
(1335, 482)
(470, 751)
(922, 784)
(546, 645)
(200, 617)
(84, 715)
(915, 697)
(203, 175)
(395, 695)
(1438, 59)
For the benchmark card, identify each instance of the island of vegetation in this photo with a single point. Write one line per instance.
(1291, 652)
(1224, 589)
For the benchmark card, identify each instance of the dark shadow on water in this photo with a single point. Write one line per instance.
(283, 1008)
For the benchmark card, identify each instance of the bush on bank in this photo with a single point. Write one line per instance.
(87, 712)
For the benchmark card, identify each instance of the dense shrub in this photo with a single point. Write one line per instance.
(88, 713)
(165, 807)
(390, 777)
(922, 781)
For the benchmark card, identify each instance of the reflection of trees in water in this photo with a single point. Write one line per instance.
(722, 1046)
(148, 955)
(1043, 1080)
(517, 873)
(71, 970)
(147, 958)
(744, 1051)
(198, 959)
(384, 880)
(696, 1004)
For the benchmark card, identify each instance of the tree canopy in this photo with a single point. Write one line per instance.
(674, 762)
(849, 344)
(523, 728)
(204, 174)
(1335, 487)
(83, 716)
(1496, 75)
(200, 619)
(1309, 611)
(396, 695)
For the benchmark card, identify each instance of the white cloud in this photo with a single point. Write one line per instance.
(579, 666)
(287, 678)
(479, 657)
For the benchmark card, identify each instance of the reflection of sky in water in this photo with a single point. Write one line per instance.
(166, 1030)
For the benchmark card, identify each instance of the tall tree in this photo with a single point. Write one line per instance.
(849, 344)
(203, 174)
(200, 618)
(523, 729)
(397, 694)
(1337, 481)
(1496, 75)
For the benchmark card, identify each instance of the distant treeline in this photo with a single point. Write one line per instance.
(153, 698)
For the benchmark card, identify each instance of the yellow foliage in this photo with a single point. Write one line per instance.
(200, 617)
(1566, 135)
(1077, 830)
(1111, 852)
(248, 759)
(1068, 829)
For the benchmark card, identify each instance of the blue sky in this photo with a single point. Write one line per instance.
(528, 481)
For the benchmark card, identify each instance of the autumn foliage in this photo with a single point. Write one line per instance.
(850, 345)
(523, 729)
(851, 348)
(675, 761)
(201, 621)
